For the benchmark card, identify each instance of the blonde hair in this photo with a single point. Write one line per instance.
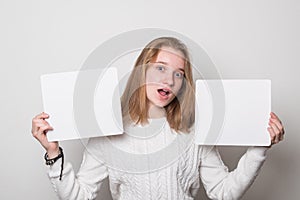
(180, 112)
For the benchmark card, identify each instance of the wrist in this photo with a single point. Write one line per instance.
(53, 153)
(51, 160)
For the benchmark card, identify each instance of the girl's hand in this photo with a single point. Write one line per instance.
(275, 129)
(40, 127)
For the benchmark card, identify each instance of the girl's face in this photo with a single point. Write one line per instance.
(164, 77)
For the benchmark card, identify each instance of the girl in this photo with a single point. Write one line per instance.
(160, 90)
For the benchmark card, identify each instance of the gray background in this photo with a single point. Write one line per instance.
(245, 39)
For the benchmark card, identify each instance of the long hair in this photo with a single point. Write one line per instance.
(180, 112)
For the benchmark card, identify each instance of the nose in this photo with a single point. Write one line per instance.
(168, 79)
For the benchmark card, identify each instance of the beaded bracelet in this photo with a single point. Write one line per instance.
(53, 160)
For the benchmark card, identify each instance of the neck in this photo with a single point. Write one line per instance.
(156, 112)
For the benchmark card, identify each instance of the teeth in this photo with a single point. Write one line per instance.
(163, 92)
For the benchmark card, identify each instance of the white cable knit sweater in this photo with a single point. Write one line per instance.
(163, 165)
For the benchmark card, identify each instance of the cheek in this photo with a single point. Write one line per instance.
(148, 88)
(152, 77)
(150, 92)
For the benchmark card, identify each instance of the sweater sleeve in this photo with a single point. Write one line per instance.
(219, 183)
(84, 185)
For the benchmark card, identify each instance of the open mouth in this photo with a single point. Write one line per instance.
(164, 92)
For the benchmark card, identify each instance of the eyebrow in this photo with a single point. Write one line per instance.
(165, 63)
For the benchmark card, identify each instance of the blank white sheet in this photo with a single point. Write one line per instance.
(82, 104)
(232, 112)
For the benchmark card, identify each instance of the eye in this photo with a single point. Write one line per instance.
(160, 68)
(178, 74)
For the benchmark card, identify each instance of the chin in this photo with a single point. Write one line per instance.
(163, 104)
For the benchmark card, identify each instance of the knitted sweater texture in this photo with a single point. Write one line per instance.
(155, 163)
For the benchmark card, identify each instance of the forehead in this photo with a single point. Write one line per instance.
(171, 57)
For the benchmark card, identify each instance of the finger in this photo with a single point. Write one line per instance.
(276, 131)
(43, 130)
(37, 123)
(34, 125)
(42, 125)
(274, 138)
(272, 135)
(278, 124)
(274, 116)
(42, 116)
(47, 125)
